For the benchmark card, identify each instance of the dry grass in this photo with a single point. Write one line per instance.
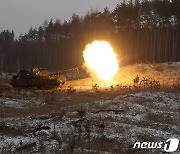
(56, 101)
(159, 118)
(145, 137)
(159, 67)
(104, 144)
(9, 130)
(142, 101)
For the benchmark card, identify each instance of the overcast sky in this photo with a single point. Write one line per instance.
(20, 15)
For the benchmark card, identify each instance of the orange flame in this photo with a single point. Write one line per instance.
(101, 60)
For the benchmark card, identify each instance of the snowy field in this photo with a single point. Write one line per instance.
(101, 126)
(109, 119)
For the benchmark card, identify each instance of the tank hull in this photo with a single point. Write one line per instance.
(37, 77)
(39, 83)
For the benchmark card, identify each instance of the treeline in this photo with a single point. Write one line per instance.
(139, 31)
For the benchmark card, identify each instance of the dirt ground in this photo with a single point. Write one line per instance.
(54, 100)
(87, 90)
(88, 115)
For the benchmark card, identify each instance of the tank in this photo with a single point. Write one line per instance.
(37, 77)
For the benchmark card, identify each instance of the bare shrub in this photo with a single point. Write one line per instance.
(159, 67)
(145, 137)
(159, 118)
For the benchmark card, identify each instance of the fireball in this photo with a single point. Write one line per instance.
(101, 60)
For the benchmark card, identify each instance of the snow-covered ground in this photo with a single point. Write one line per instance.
(107, 120)
(20, 103)
(106, 125)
